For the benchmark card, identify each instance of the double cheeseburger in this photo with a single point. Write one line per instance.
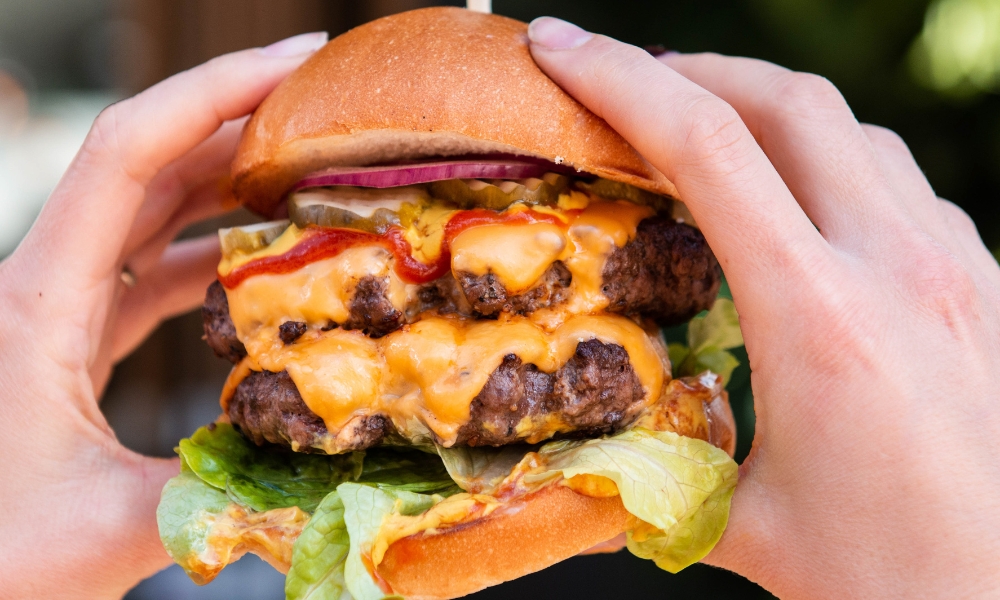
(448, 370)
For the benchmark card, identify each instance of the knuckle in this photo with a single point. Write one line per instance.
(884, 137)
(943, 288)
(713, 132)
(955, 216)
(619, 70)
(886, 142)
(806, 95)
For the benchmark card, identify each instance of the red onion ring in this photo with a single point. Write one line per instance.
(408, 174)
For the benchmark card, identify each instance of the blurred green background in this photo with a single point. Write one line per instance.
(928, 70)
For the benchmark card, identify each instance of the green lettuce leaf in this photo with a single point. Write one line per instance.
(365, 508)
(263, 478)
(184, 519)
(709, 338)
(679, 486)
(408, 470)
(318, 555)
(480, 470)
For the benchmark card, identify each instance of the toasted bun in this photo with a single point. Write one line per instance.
(427, 83)
(522, 537)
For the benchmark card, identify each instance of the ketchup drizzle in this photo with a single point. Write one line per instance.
(319, 243)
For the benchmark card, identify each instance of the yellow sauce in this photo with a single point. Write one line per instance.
(316, 294)
(518, 255)
(425, 375)
(450, 511)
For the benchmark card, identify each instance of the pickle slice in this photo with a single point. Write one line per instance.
(250, 238)
(368, 209)
(498, 194)
(616, 190)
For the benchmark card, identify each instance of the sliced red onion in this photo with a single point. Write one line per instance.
(409, 174)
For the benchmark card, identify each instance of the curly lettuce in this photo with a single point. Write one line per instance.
(678, 489)
(710, 337)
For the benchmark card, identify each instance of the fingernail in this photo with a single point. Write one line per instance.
(296, 45)
(556, 34)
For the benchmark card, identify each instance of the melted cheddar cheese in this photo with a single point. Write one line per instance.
(425, 375)
(317, 293)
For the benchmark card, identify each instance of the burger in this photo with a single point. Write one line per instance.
(448, 367)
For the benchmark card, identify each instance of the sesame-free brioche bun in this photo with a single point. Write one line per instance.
(532, 532)
(521, 537)
(434, 82)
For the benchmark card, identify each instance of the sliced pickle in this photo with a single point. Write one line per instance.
(616, 190)
(251, 237)
(498, 194)
(367, 209)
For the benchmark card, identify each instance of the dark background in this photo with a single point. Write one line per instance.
(936, 89)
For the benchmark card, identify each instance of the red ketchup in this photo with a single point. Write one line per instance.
(319, 243)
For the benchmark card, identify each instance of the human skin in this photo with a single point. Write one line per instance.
(870, 310)
(78, 508)
(873, 340)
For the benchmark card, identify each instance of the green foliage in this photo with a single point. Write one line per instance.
(680, 486)
(709, 339)
(365, 508)
(318, 555)
(262, 479)
(184, 518)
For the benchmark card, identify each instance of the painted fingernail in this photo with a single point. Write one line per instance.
(296, 45)
(556, 34)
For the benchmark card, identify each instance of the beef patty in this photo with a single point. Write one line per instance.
(667, 274)
(595, 392)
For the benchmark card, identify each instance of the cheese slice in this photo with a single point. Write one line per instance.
(425, 376)
(316, 294)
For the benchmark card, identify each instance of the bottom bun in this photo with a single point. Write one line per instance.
(524, 536)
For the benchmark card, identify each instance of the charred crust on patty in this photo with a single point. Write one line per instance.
(289, 331)
(489, 298)
(667, 273)
(220, 334)
(370, 309)
(268, 409)
(596, 392)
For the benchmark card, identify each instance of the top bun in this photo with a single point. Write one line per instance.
(427, 83)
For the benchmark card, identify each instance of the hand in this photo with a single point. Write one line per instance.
(78, 508)
(870, 310)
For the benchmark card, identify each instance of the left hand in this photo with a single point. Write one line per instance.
(79, 508)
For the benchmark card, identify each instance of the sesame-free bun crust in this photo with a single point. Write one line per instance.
(434, 82)
(520, 538)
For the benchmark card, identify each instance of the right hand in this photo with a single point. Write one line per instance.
(870, 310)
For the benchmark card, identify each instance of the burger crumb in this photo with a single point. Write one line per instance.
(212, 426)
(289, 331)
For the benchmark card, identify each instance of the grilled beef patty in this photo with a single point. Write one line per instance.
(595, 392)
(667, 274)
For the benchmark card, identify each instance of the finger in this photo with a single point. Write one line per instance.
(945, 221)
(175, 286)
(750, 219)
(967, 235)
(210, 200)
(131, 142)
(901, 168)
(208, 163)
(809, 133)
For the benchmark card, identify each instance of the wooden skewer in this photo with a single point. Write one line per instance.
(482, 6)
